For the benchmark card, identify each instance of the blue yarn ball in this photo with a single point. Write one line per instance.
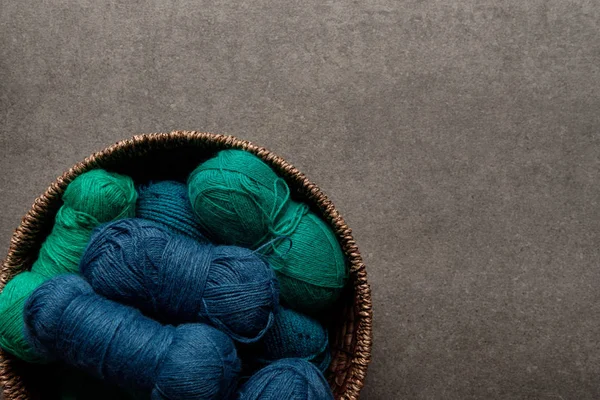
(175, 279)
(167, 202)
(289, 379)
(66, 320)
(293, 335)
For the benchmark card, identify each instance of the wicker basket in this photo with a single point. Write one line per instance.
(163, 156)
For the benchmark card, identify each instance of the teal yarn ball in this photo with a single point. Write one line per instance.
(239, 200)
(94, 197)
(167, 203)
(175, 279)
(311, 270)
(66, 320)
(293, 335)
(289, 379)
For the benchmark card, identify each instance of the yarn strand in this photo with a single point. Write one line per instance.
(175, 279)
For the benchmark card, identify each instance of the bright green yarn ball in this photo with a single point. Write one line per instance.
(102, 195)
(237, 197)
(92, 198)
(64, 246)
(12, 302)
(240, 200)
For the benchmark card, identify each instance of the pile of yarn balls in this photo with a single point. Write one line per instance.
(213, 288)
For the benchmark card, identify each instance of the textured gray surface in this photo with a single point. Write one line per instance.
(460, 139)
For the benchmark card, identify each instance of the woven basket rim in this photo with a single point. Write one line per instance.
(26, 238)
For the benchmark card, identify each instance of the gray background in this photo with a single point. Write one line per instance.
(460, 139)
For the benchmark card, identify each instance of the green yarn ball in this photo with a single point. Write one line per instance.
(12, 301)
(64, 246)
(237, 197)
(240, 200)
(312, 271)
(92, 198)
(102, 195)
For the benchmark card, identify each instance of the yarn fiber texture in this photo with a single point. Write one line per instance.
(167, 203)
(92, 198)
(312, 270)
(290, 379)
(293, 335)
(65, 319)
(175, 279)
(12, 302)
(239, 200)
(236, 198)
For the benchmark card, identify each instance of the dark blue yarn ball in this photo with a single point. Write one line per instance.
(66, 320)
(167, 202)
(293, 335)
(175, 279)
(289, 379)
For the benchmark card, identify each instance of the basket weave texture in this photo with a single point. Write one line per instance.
(164, 153)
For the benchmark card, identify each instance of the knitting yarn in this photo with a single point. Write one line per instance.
(290, 379)
(312, 271)
(12, 300)
(293, 335)
(66, 320)
(239, 200)
(102, 195)
(92, 198)
(167, 202)
(175, 279)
